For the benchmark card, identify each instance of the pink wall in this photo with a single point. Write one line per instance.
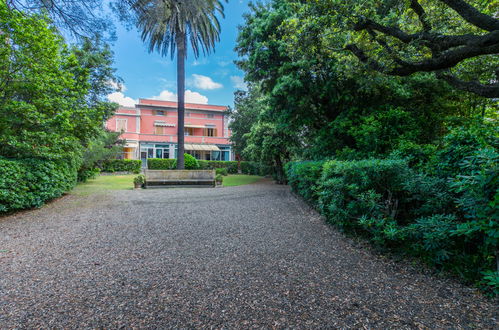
(147, 119)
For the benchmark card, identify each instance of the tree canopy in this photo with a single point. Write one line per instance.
(456, 39)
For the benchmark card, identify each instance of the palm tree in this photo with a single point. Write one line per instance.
(167, 26)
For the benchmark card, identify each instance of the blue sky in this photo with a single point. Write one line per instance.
(209, 79)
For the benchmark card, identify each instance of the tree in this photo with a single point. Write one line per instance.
(166, 25)
(456, 39)
(80, 18)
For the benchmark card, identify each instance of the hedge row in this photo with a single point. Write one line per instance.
(29, 183)
(396, 207)
(121, 165)
(252, 168)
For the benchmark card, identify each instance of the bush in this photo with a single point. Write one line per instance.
(203, 164)
(139, 179)
(221, 171)
(219, 178)
(87, 174)
(190, 163)
(29, 183)
(121, 165)
(450, 223)
(231, 166)
(303, 176)
(352, 191)
(160, 164)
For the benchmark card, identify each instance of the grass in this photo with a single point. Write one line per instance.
(240, 179)
(103, 183)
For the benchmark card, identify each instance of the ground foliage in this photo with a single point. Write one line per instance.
(410, 159)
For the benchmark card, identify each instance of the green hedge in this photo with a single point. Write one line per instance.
(160, 164)
(121, 165)
(303, 176)
(444, 221)
(251, 168)
(29, 183)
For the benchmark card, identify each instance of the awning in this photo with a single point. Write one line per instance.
(201, 147)
(164, 124)
(131, 145)
(194, 126)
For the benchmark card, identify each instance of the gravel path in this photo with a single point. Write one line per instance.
(240, 257)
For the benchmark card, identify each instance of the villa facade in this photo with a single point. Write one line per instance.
(150, 130)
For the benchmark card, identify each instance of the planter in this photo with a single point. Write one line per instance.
(138, 185)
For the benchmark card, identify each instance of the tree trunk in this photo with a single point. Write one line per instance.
(181, 54)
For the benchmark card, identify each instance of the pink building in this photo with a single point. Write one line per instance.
(150, 130)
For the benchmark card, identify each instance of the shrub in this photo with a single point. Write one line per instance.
(203, 164)
(160, 164)
(139, 179)
(462, 143)
(448, 222)
(121, 165)
(27, 183)
(354, 190)
(190, 163)
(303, 176)
(221, 171)
(219, 178)
(87, 174)
(231, 166)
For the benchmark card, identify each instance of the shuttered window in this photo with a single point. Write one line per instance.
(210, 132)
(121, 125)
(159, 130)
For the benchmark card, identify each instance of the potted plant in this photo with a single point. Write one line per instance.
(219, 179)
(139, 181)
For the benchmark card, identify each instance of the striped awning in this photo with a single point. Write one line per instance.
(194, 126)
(201, 147)
(162, 123)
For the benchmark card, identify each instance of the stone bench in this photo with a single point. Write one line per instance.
(179, 178)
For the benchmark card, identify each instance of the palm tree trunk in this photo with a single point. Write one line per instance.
(181, 52)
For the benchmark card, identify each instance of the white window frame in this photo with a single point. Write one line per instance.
(121, 120)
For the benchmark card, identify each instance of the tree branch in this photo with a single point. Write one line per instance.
(418, 9)
(472, 15)
(485, 90)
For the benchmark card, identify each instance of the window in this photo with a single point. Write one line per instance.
(159, 130)
(158, 113)
(210, 132)
(210, 115)
(188, 131)
(187, 114)
(121, 125)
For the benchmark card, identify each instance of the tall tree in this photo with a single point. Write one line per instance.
(167, 26)
(456, 39)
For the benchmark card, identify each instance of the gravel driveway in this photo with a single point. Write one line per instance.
(239, 257)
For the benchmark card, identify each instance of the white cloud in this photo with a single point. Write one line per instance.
(238, 82)
(190, 97)
(121, 99)
(204, 82)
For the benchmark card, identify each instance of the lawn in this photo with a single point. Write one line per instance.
(103, 183)
(240, 179)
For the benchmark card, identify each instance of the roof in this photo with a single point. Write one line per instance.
(171, 104)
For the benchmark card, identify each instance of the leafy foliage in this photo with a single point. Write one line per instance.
(53, 106)
(191, 163)
(160, 164)
(29, 183)
(121, 165)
